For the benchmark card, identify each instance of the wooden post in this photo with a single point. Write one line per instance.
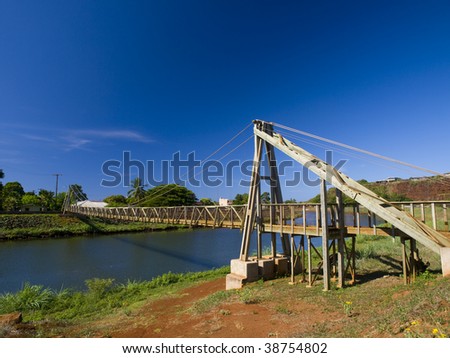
(275, 188)
(324, 217)
(251, 210)
(433, 215)
(358, 219)
(302, 243)
(446, 225)
(341, 239)
(308, 238)
(317, 220)
(413, 258)
(405, 262)
(258, 221)
(293, 250)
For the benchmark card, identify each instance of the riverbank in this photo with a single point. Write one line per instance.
(197, 305)
(35, 226)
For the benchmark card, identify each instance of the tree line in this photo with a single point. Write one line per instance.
(13, 197)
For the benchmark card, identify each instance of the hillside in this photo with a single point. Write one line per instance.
(425, 188)
(397, 189)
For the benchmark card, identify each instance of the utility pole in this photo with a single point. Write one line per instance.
(57, 177)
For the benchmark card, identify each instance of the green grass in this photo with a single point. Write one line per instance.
(51, 225)
(101, 297)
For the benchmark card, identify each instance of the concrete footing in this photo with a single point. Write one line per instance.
(252, 270)
(266, 269)
(445, 261)
(282, 265)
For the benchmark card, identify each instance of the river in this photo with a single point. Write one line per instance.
(68, 262)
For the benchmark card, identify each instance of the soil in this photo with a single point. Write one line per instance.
(170, 318)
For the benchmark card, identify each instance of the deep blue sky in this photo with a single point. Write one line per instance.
(82, 81)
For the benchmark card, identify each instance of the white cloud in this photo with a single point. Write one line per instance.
(113, 134)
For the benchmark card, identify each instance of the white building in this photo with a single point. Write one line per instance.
(225, 202)
(91, 204)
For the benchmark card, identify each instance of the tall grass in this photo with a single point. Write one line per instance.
(101, 296)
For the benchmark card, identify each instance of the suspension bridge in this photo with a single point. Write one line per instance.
(292, 227)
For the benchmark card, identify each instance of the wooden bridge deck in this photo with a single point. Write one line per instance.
(277, 217)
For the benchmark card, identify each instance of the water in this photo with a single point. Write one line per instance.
(68, 262)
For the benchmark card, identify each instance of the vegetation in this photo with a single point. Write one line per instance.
(13, 198)
(206, 201)
(51, 225)
(103, 296)
(380, 190)
(241, 199)
(137, 191)
(168, 195)
(116, 201)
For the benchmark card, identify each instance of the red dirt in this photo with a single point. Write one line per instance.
(168, 317)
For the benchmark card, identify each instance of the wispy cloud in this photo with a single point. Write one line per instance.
(38, 138)
(113, 134)
(84, 139)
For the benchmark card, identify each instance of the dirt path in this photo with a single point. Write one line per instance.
(172, 317)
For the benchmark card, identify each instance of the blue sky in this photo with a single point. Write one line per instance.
(83, 81)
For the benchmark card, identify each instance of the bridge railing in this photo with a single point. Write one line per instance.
(307, 215)
(213, 216)
(432, 213)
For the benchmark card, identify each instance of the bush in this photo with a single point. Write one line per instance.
(31, 297)
(99, 287)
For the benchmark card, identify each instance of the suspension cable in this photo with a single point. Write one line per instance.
(355, 149)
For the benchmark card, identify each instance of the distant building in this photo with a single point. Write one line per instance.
(91, 204)
(447, 174)
(393, 179)
(31, 208)
(225, 202)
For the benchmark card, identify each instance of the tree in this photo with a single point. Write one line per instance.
(77, 190)
(137, 191)
(290, 201)
(12, 194)
(206, 201)
(265, 198)
(31, 199)
(2, 175)
(116, 200)
(13, 188)
(47, 199)
(169, 195)
(59, 201)
(11, 203)
(240, 199)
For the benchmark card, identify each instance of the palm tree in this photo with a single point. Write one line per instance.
(137, 191)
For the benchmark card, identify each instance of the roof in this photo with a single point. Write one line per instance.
(91, 204)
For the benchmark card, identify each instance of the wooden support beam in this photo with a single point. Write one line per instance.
(341, 239)
(324, 217)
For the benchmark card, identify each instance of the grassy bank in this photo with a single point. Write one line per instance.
(379, 305)
(53, 311)
(24, 226)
